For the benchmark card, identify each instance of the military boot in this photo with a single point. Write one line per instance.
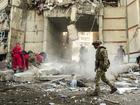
(114, 89)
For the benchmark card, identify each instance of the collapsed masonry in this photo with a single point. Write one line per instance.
(4, 27)
(44, 31)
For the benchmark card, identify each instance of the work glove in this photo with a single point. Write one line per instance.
(95, 69)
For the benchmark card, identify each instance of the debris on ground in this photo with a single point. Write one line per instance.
(71, 89)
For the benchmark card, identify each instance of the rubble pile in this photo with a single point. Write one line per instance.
(69, 89)
(128, 82)
(115, 70)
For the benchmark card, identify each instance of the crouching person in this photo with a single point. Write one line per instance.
(138, 61)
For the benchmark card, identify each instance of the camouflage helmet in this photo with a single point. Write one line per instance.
(97, 42)
(121, 45)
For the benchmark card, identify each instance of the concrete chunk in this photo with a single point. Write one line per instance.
(6, 75)
(23, 77)
(54, 77)
(29, 75)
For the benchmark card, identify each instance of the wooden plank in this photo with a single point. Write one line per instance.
(136, 52)
(114, 17)
(115, 41)
(134, 26)
(131, 3)
(114, 29)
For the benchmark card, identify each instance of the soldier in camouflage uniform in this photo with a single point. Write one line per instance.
(101, 65)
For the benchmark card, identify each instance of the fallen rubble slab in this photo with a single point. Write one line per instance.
(114, 70)
(24, 77)
(124, 89)
(6, 75)
(110, 102)
(56, 77)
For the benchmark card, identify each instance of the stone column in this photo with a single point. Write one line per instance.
(101, 25)
(45, 35)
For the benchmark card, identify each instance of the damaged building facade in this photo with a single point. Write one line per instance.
(4, 28)
(41, 26)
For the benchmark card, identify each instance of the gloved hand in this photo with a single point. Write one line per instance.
(95, 69)
(105, 70)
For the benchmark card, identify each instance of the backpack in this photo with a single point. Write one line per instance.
(107, 65)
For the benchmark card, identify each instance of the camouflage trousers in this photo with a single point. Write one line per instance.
(100, 74)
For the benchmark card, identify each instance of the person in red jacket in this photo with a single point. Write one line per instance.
(16, 57)
(25, 60)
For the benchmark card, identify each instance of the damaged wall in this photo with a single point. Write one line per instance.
(4, 29)
(3, 4)
(17, 26)
(40, 33)
(124, 26)
(34, 31)
(113, 29)
(133, 11)
(18, 22)
(26, 27)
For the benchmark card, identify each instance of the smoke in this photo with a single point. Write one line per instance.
(86, 65)
(87, 62)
